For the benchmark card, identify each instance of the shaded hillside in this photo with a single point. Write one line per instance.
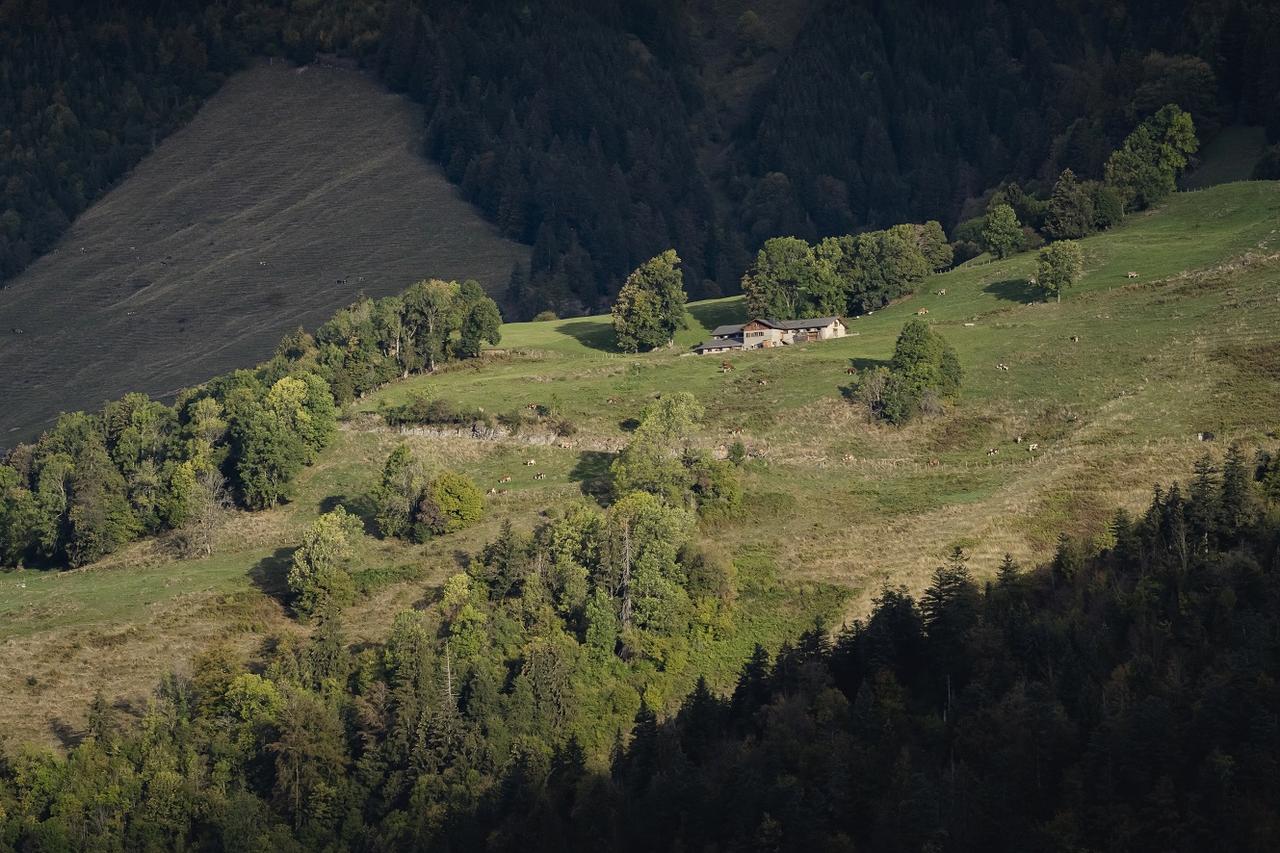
(290, 193)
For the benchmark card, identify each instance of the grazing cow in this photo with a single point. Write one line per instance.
(506, 479)
(1131, 274)
(539, 476)
(1032, 281)
(1002, 366)
(1018, 440)
(1075, 339)
(934, 463)
(851, 370)
(492, 492)
(725, 367)
(993, 451)
(762, 381)
(566, 445)
(1205, 436)
(1033, 447)
(848, 457)
(922, 312)
(531, 461)
(942, 292)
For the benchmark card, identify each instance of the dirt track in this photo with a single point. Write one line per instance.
(292, 191)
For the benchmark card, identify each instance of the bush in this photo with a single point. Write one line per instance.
(425, 411)
(563, 427)
(545, 316)
(450, 502)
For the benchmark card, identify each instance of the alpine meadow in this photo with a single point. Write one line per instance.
(640, 425)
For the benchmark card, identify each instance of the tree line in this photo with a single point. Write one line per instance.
(138, 467)
(1120, 696)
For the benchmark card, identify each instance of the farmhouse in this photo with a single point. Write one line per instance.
(760, 332)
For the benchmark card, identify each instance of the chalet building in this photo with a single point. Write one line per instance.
(760, 333)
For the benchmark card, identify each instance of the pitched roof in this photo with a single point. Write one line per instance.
(722, 343)
(807, 323)
(725, 331)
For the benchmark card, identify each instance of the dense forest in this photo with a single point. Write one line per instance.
(1120, 697)
(573, 125)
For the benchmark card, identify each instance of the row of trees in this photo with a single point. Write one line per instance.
(842, 276)
(374, 341)
(1143, 171)
(139, 467)
(1120, 696)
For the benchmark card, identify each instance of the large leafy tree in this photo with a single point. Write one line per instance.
(650, 307)
(481, 320)
(1145, 169)
(777, 283)
(320, 577)
(651, 462)
(433, 314)
(1001, 231)
(1059, 267)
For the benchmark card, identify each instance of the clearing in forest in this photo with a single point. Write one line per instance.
(292, 191)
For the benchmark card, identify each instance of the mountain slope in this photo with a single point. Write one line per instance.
(830, 500)
(291, 192)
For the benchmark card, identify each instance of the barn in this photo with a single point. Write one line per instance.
(762, 333)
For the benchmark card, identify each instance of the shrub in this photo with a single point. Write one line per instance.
(425, 411)
(545, 316)
(450, 502)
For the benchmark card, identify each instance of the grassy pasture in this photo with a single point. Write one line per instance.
(832, 502)
(292, 191)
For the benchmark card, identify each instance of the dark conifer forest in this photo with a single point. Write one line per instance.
(1121, 699)
(581, 127)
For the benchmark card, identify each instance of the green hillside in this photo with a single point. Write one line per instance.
(833, 504)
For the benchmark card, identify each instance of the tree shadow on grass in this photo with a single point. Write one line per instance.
(361, 506)
(1014, 290)
(69, 736)
(593, 334)
(860, 364)
(591, 473)
(271, 574)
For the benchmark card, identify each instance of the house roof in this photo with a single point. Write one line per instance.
(722, 343)
(787, 325)
(807, 323)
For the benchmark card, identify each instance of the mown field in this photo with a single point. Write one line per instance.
(834, 505)
(292, 190)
